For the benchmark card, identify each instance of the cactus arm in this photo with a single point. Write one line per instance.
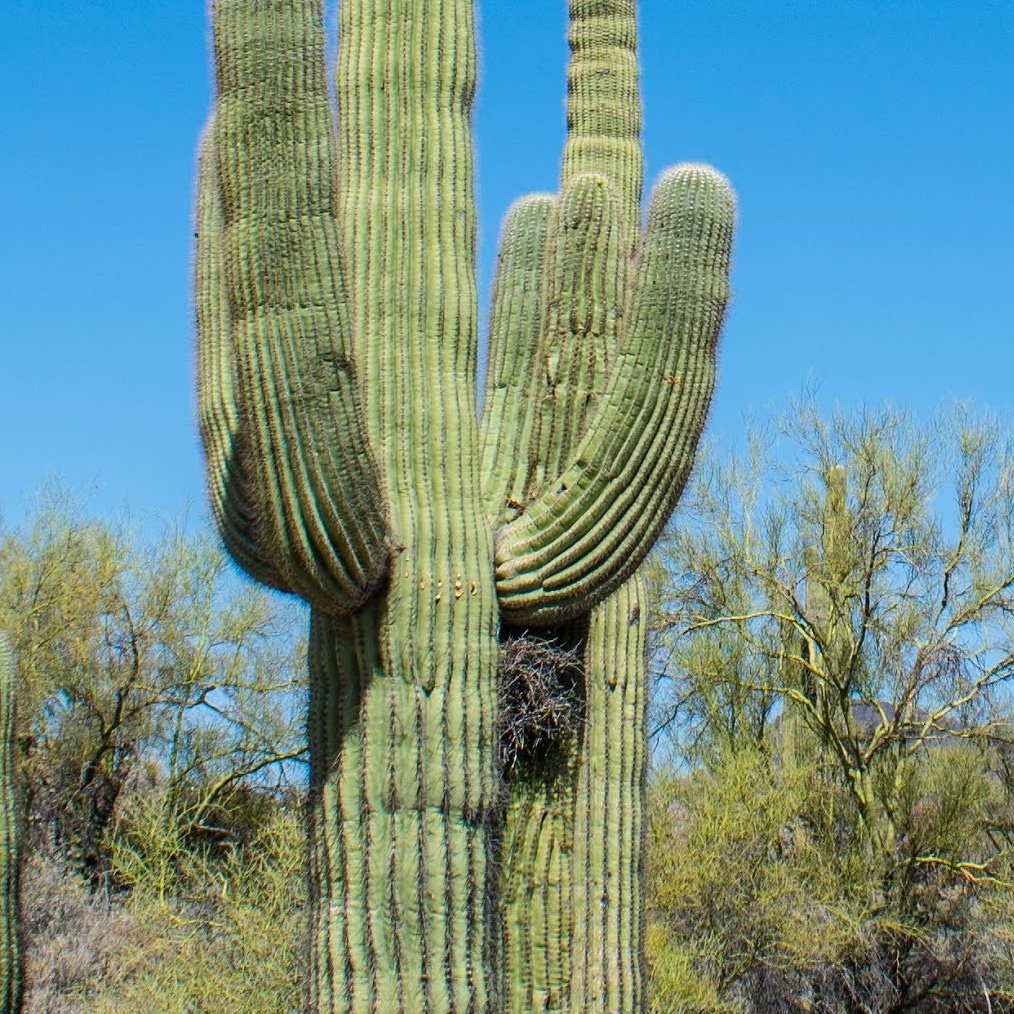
(10, 944)
(318, 496)
(589, 531)
(604, 124)
(583, 311)
(514, 332)
(219, 417)
(604, 102)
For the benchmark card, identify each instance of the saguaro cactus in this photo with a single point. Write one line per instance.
(337, 319)
(10, 947)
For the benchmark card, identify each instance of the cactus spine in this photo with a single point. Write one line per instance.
(337, 320)
(10, 945)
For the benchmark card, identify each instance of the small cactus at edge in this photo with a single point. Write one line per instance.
(10, 946)
(338, 339)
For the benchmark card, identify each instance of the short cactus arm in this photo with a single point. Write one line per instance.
(581, 320)
(590, 530)
(318, 497)
(219, 416)
(514, 332)
(10, 944)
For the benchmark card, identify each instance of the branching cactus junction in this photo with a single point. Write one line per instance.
(338, 341)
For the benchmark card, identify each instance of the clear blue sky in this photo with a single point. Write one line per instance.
(870, 141)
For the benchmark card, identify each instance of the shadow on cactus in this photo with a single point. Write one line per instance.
(338, 336)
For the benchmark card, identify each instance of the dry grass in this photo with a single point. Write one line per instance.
(72, 938)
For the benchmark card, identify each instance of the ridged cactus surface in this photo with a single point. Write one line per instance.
(10, 946)
(338, 340)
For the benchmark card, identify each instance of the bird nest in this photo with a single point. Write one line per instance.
(541, 690)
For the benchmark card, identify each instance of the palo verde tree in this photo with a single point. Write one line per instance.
(337, 319)
(852, 614)
(145, 672)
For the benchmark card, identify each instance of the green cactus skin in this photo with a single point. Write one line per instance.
(10, 944)
(607, 920)
(337, 322)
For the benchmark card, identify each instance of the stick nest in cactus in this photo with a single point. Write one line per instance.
(539, 681)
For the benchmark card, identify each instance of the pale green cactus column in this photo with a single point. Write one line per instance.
(337, 348)
(10, 944)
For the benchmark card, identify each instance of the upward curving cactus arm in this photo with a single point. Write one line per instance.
(314, 487)
(10, 945)
(514, 332)
(590, 530)
(219, 417)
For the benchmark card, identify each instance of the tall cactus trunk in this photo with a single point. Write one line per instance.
(607, 963)
(401, 884)
(408, 789)
(574, 844)
(10, 944)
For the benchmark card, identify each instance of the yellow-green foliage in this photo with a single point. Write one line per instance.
(677, 981)
(740, 881)
(765, 893)
(226, 939)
